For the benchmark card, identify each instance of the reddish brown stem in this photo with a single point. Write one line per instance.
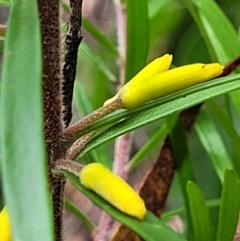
(49, 19)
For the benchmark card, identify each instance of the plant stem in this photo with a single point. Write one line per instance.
(122, 143)
(121, 153)
(72, 41)
(73, 132)
(49, 19)
(62, 165)
(79, 144)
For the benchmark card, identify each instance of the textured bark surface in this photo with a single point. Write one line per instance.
(49, 19)
(72, 41)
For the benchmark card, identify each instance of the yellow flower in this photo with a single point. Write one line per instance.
(113, 189)
(5, 229)
(157, 66)
(135, 93)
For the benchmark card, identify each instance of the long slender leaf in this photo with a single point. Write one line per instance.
(122, 114)
(97, 61)
(137, 30)
(72, 208)
(225, 122)
(150, 228)
(159, 135)
(202, 225)
(213, 144)
(182, 159)
(221, 38)
(153, 114)
(178, 211)
(99, 36)
(23, 149)
(229, 207)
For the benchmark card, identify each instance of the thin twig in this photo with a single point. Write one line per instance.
(122, 154)
(72, 41)
(73, 132)
(60, 166)
(122, 143)
(229, 68)
(79, 144)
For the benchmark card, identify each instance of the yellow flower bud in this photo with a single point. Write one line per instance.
(5, 229)
(157, 66)
(113, 189)
(134, 95)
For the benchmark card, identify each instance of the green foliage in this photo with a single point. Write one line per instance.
(5, 3)
(200, 216)
(229, 206)
(153, 27)
(137, 37)
(22, 141)
(164, 107)
(150, 228)
(213, 144)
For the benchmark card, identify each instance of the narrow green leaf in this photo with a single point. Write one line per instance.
(180, 147)
(72, 208)
(123, 113)
(149, 115)
(182, 159)
(22, 141)
(137, 37)
(229, 207)
(224, 120)
(156, 138)
(164, 18)
(178, 211)
(222, 39)
(202, 225)
(213, 143)
(97, 61)
(81, 99)
(99, 36)
(150, 228)
(6, 3)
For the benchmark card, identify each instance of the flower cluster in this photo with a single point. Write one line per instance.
(156, 81)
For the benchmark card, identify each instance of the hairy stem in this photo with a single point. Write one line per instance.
(122, 143)
(79, 144)
(72, 41)
(49, 19)
(73, 132)
(62, 165)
